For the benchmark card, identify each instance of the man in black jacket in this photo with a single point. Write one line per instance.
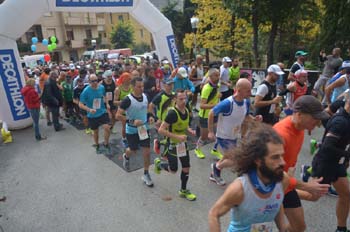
(52, 97)
(332, 160)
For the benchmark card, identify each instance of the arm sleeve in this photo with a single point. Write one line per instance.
(329, 146)
(223, 107)
(125, 103)
(336, 105)
(171, 117)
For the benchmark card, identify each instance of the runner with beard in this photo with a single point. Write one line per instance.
(256, 196)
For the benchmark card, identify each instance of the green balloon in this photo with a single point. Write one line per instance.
(53, 39)
(49, 47)
(54, 46)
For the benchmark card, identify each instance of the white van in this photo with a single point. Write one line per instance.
(95, 54)
(33, 60)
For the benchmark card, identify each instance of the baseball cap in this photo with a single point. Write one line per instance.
(182, 72)
(107, 73)
(310, 105)
(300, 53)
(226, 59)
(168, 81)
(274, 68)
(71, 66)
(345, 64)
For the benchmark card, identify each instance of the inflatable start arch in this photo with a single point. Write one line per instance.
(17, 16)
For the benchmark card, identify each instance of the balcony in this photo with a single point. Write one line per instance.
(80, 21)
(75, 43)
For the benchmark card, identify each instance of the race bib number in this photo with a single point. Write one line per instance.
(109, 96)
(181, 149)
(142, 131)
(262, 227)
(96, 104)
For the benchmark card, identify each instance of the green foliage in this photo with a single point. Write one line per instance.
(122, 35)
(335, 27)
(141, 48)
(180, 21)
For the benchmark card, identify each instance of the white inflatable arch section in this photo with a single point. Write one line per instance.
(17, 16)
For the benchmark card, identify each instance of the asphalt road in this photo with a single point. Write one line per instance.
(62, 185)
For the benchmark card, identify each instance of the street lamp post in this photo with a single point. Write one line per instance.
(194, 24)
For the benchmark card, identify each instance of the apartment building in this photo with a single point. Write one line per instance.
(75, 31)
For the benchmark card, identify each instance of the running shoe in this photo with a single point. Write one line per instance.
(126, 163)
(185, 193)
(107, 149)
(216, 153)
(332, 192)
(199, 153)
(156, 146)
(125, 143)
(88, 131)
(215, 175)
(147, 180)
(157, 168)
(305, 174)
(98, 149)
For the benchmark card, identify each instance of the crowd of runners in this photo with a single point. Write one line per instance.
(259, 137)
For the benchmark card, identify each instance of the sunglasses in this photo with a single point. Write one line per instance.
(93, 81)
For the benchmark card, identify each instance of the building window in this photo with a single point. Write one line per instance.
(29, 36)
(120, 18)
(111, 17)
(38, 32)
(105, 35)
(88, 34)
(70, 35)
(141, 33)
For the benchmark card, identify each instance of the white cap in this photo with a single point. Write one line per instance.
(107, 73)
(345, 64)
(226, 59)
(274, 68)
(71, 66)
(182, 72)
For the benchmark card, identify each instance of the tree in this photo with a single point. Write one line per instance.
(335, 28)
(213, 31)
(177, 20)
(141, 48)
(122, 35)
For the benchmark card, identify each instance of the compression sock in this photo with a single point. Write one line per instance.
(184, 179)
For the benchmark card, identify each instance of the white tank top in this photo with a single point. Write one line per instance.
(255, 212)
